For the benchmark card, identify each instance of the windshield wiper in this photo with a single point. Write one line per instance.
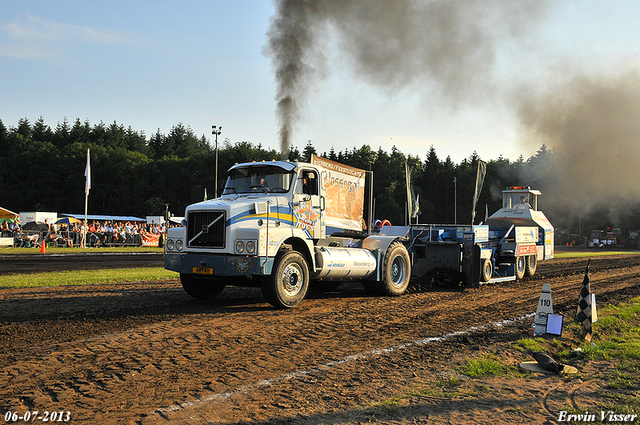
(231, 188)
(258, 186)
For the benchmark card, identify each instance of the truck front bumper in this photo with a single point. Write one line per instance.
(217, 265)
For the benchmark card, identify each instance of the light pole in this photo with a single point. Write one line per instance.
(216, 132)
(455, 200)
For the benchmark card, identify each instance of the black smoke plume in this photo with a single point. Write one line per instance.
(445, 49)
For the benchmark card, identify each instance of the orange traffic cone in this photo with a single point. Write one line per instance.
(43, 247)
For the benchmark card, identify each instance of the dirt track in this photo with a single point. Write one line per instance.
(147, 353)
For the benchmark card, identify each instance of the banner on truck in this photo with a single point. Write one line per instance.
(344, 193)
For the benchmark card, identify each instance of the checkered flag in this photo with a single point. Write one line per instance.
(584, 306)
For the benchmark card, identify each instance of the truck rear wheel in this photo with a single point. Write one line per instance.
(202, 288)
(396, 270)
(289, 282)
(532, 263)
(521, 267)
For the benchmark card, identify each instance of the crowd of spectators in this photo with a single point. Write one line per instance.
(99, 233)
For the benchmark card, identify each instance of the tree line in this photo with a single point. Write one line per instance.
(132, 174)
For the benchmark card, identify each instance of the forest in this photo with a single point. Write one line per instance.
(135, 174)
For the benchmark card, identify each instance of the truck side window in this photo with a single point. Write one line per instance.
(307, 184)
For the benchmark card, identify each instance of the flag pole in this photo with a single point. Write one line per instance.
(87, 186)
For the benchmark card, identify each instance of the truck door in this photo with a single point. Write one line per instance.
(307, 204)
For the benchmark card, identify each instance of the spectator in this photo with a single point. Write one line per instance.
(52, 236)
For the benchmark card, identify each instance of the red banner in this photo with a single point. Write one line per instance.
(149, 239)
(527, 250)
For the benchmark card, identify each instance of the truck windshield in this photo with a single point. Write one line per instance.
(257, 180)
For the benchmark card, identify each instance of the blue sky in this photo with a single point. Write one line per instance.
(151, 65)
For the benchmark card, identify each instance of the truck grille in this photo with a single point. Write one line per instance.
(206, 229)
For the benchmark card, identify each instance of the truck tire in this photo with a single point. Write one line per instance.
(532, 263)
(202, 288)
(289, 282)
(487, 270)
(521, 267)
(396, 270)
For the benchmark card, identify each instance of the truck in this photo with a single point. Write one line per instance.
(284, 226)
(565, 237)
(279, 225)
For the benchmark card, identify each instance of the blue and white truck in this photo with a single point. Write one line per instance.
(280, 225)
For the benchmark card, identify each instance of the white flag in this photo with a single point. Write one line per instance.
(87, 173)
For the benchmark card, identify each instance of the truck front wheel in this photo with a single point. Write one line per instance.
(289, 282)
(203, 288)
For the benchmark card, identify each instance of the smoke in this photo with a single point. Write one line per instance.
(592, 124)
(293, 46)
(448, 51)
(447, 48)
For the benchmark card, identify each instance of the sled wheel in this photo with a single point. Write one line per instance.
(289, 281)
(532, 263)
(202, 288)
(487, 270)
(521, 266)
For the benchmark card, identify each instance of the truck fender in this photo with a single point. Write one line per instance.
(381, 243)
(301, 245)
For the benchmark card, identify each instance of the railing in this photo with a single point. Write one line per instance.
(69, 238)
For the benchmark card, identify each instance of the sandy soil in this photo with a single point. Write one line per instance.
(147, 353)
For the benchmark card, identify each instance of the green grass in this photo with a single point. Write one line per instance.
(483, 367)
(616, 340)
(530, 344)
(85, 277)
(592, 253)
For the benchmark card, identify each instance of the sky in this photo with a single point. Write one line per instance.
(152, 64)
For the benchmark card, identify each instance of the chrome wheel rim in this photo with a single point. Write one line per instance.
(291, 279)
(398, 270)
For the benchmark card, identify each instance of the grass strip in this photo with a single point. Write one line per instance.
(595, 253)
(85, 277)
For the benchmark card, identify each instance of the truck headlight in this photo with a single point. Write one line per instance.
(179, 245)
(170, 245)
(251, 247)
(239, 247)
